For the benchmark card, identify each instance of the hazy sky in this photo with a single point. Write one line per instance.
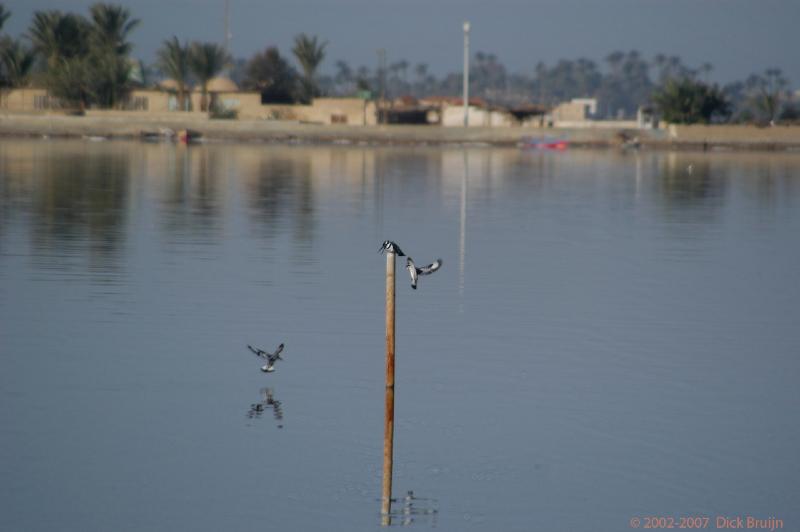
(737, 36)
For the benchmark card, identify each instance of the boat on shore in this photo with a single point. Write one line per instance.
(184, 136)
(155, 135)
(188, 135)
(544, 143)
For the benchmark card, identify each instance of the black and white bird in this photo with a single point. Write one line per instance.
(416, 271)
(271, 358)
(389, 246)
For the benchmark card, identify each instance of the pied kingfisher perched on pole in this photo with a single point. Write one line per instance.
(389, 246)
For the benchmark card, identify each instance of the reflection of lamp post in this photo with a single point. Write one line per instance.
(466, 74)
(463, 232)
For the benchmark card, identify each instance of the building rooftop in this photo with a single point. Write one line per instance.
(222, 84)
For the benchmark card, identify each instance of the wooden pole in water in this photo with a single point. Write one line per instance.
(388, 433)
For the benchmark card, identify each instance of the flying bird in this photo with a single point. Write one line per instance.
(271, 358)
(416, 271)
(392, 247)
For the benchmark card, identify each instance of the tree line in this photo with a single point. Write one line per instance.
(86, 61)
(624, 83)
(80, 60)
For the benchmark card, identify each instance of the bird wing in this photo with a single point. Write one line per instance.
(258, 352)
(412, 270)
(277, 353)
(430, 268)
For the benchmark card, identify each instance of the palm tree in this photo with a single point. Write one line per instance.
(109, 65)
(402, 67)
(344, 77)
(43, 33)
(56, 36)
(660, 61)
(770, 92)
(173, 60)
(675, 67)
(309, 53)
(421, 86)
(112, 24)
(363, 79)
(614, 60)
(61, 43)
(17, 62)
(706, 69)
(421, 70)
(206, 60)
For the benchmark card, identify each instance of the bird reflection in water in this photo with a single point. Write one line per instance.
(410, 509)
(268, 402)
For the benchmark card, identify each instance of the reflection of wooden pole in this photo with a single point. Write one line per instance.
(388, 433)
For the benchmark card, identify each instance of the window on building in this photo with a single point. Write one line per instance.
(137, 103)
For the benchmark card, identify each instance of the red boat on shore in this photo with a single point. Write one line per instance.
(546, 143)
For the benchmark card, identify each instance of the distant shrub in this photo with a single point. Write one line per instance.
(686, 101)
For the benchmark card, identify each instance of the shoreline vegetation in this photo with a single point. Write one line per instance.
(119, 125)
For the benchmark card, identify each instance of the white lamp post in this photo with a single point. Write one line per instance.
(466, 74)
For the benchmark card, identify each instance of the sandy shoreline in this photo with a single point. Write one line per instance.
(120, 125)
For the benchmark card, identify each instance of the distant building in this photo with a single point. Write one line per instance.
(478, 116)
(162, 102)
(575, 110)
(647, 117)
(581, 113)
(450, 112)
(407, 110)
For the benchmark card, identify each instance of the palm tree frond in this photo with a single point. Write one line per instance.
(17, 61)
(309, 52)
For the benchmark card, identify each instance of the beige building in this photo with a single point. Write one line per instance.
(27, 100)
(575, 110)
(223, 95)
(33, 100)
(579, 113)
(453, 116)
(341, 111)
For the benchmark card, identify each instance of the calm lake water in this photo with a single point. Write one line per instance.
(612, 335)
